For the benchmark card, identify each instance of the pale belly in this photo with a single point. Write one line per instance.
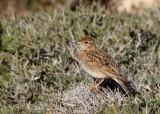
(95, 73)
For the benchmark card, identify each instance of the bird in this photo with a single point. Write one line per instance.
(98, 64)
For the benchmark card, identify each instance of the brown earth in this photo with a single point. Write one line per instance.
(129, 6)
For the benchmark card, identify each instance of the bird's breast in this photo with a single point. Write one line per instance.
(93, 71)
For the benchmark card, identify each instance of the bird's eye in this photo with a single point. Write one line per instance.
(86, 42)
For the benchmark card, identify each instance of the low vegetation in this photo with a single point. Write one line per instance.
(38, 73)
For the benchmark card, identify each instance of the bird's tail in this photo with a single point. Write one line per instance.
(123, 82)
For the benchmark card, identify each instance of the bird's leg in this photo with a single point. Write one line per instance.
(95, 85)
(99, 82)
(96, 81)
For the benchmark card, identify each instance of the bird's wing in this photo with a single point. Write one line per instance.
(103, 61)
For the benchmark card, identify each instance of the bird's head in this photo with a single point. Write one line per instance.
(86, 43)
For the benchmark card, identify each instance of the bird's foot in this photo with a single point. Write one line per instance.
(94, 87)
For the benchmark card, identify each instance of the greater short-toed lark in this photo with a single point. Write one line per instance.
(98, 64)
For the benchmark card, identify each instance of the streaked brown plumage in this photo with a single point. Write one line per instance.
(99, 64)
